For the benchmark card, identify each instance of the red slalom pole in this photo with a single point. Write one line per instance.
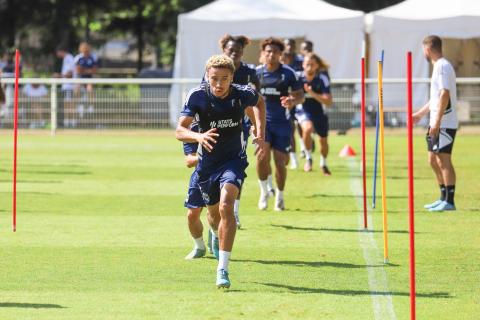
(364, 172)
(410, 185)
(15, 135)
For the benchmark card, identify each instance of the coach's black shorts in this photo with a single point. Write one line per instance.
(443, 143)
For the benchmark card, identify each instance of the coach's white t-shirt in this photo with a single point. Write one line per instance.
(443, 77)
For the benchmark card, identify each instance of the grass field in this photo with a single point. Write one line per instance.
(102, 235)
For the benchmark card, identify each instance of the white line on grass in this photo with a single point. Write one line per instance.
(377, 277)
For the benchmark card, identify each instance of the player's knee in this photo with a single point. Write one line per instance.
(193, 214)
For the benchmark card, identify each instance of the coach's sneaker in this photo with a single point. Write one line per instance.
(279, 204)
(209, 241)
(443, 206)
(433, 204)
(222, 279)
(195, 254)
(263, 201)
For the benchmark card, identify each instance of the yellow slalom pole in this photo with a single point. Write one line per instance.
(382, 162)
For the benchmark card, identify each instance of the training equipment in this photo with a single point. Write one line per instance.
(347, 151)
(15, 138)
(411, 207)
(364, 173)
(195, 254)
(222, 279)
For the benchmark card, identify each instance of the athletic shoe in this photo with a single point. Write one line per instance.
(237, 220)
(271, 192)
(279, 205)
(209, 242)
(263, 201)
(308, 166)
(302, 154)
(195, 254)
(293, 163)
(326, 172)
(433, 204)
(222, 279)
(215, 246)
(443, 206)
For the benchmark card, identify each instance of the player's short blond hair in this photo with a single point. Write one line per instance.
(220, 61)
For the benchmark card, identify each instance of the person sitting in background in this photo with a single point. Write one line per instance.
(68, 69)
(85, 68)
(8, 71)
(35, 94)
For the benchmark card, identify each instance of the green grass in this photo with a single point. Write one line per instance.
(102, 235)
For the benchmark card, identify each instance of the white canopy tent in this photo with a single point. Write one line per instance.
(402, 27)
(336, 33)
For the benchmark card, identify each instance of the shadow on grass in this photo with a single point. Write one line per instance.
(30, 305)
(59, 172)
(346, 292)
(315, 264)
(288, 227)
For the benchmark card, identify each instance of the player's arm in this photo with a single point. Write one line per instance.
(191, 160)
(323, 98)
(183, 133)
(295, 97)
(420, 113)
(442, 106)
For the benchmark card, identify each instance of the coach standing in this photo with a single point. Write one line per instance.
(443, 123)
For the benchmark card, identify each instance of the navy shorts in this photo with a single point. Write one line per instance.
(211, 184)
(320, 122)
(194, 195)
(278, 135)
(443, 143)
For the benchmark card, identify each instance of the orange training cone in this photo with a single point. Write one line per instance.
(347, 151)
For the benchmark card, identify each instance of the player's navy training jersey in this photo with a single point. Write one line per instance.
(320, 84)
(85, 62)
(274, 85)
(297, 64)
(224, 114)
(191, 147)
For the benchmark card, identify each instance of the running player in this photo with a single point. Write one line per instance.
(233, 46)
(443, 123)
(220, 107)
(282, 91)
(311, 115)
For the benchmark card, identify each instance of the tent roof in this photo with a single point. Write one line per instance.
(227, 10)
(431, 9)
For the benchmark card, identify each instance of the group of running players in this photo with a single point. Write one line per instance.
(233, 102)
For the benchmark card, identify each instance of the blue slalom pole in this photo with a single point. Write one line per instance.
(377, 124)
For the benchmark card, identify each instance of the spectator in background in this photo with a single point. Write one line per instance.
(8, 71)
(68, 70)
(35, 95)
(85, 68)
(306, 47)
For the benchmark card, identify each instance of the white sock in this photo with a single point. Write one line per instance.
(323, 161)
(236, 205)
(215, 232)
(302, 145)
(308, 154)
(270, 182)
(223, 260)
(199, 244)
(279, 195)
(263, 186)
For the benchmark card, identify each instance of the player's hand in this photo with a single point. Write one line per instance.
(434, 131)
(287, 102)
(261, 148)
(307, 88)
(208, 139)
